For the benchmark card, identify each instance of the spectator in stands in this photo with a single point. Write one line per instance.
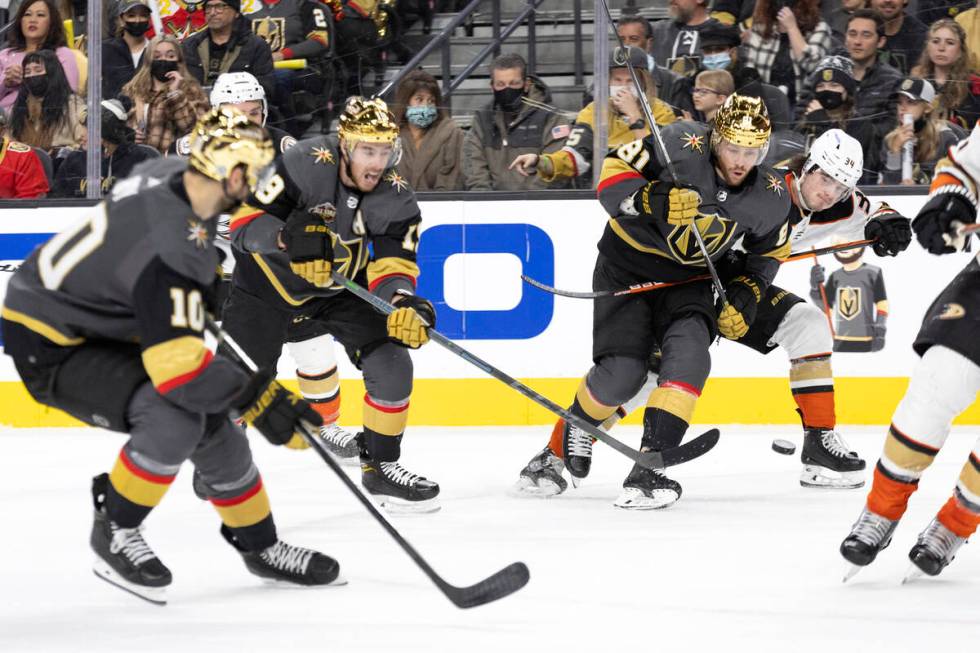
(37, 26)
(839, 15)
(123, 55)
(876, 81)
(432, 143)
(120, 154)
(294, 29)
(46, 114)
(167, 100)
(676, 41)
(358, 42)
(624, 117)
(785, 44)
(945, 62)
(736, 13)
(930, 135)
(22, 176)
(636, 31)
(832, 107)
(929, 11)
(969, 20)
(510, 125)
(228, 45)
(711, 89)
(905, 35)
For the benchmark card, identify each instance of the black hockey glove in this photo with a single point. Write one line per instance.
(934, 225)
(737, 315)
(413, 316)
(891, 234)
(309, 244)
(275, 411)
(878, 337)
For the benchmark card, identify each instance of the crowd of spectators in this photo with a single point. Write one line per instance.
(902, 77)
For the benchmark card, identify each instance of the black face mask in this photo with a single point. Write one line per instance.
(509, 99)
(37, 85)
(830, 100)
(138, 28)
(160, 68)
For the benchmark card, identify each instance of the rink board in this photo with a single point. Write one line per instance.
(472, 255)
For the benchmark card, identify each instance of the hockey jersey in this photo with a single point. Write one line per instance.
(378, 232)
(755, 212)
(858, 300)
(295, 28)
(138, 268)
(21, 173)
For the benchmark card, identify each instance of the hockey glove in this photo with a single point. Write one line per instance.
(275, 411)
(878, 337)
(408, 324)
(309, 244)
(817, 277)
(934, 225)
(678, 206)
(891, 235)
(738, 314)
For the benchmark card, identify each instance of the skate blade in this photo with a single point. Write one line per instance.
(396, 506)
(911, 574)
(576, 481)
(525, 487)
(279, 583)
(154, 595)
(851, 572)
(821, 478)
(634, 499)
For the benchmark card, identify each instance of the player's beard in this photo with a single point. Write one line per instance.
(232, 203)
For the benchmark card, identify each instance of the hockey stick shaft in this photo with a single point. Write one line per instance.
(649, 459)
(823, 296)
(651, 285)
(508, 580)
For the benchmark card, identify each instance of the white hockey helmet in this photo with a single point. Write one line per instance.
(838, 155)
(232, 88)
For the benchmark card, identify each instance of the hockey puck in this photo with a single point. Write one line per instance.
(784, 447)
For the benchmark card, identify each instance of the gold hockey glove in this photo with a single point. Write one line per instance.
(678, 206)
(409, 323)
(309, 244)
(737, 315)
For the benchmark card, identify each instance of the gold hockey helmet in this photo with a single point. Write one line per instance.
(744, 121)
(369, 121)
(224, 139)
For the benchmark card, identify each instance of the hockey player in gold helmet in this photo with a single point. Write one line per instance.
(740, 139)
(369, 142)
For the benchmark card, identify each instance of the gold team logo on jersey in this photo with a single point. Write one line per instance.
(271, 30)
(715, 230)
(775, 184)
(349, 256)
(322, 155)
(848, 302)
(952, 311)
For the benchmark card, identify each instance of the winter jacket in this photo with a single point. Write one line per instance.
(246, 53)
(166, 115)
(72, 176)
(435, 164)
(761, 53)
(117, 66)
(68, 132)
(491, 146)
(10, 57)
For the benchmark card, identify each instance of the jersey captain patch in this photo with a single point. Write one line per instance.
(715, 230)
(693, 141)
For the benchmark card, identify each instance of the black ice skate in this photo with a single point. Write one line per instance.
(935, 548)
(870, 534)
(123, 557)
(577, 452)
(542, 476)
(397, 489)
(341, 443)
(288, 563)
(828, 462)
(648, 489)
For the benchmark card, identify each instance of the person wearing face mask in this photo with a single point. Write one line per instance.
(123, 55)
(119, 154)
(832, 107)
(931, 137)
(624, 117)
(46, 113)
(167, 100)
(510, 126)
(432, 143)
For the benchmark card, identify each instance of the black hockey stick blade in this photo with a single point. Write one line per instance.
(503, 583)
(692, 449)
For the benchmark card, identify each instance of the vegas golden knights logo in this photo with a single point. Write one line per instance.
(848, 302)
(272, 31)
(715, 230)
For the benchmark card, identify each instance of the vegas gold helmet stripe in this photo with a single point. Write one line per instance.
(223, 139)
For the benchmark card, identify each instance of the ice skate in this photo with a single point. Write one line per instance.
(287, 563)
(397, 489)
(935, 548)
(648, 489)
(542, 476)
(577, 452)
(123, 557)
(828, 462)
(870, 534)
(341, 443)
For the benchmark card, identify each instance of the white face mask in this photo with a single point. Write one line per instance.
(613, 90)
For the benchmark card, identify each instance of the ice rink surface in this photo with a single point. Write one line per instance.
(747, 560)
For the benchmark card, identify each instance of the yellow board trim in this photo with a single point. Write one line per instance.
(487, 402)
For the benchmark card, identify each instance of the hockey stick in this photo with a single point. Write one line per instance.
(649, 459)
(652, 285)
(823, 296)
(506, 581)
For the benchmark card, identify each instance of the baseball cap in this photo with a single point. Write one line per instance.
(916, 89)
